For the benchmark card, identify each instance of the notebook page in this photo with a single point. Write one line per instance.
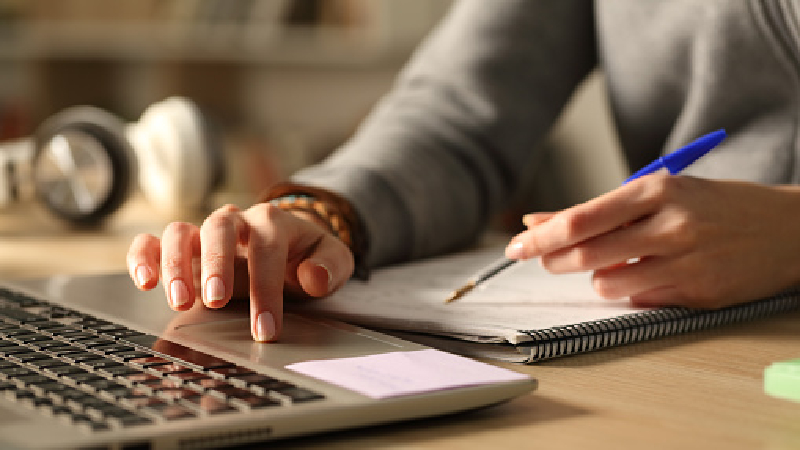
(411, 297)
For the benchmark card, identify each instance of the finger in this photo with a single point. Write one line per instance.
(218, 240)
(637, 240)
(179, 243)
(143, 259)
(600, 215)
(533, 219)
(328, 266)
(628, 280)
(267, 251)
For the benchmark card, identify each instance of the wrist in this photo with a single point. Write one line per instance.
(327, 209)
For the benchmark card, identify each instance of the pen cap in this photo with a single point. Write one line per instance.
(685, 156)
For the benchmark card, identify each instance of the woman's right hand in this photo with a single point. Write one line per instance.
(264, 249)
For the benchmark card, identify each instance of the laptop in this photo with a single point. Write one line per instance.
(92, 362)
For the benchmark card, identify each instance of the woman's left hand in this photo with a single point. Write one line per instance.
(674, 240)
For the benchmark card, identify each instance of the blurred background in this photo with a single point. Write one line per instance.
(283, 81)
(292, 77)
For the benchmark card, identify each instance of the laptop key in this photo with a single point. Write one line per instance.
(65, 331)
(171, 368)
(114, 348)
(94, 341)
(47, 362)
(18, 314)
(33, 337)
(256, 402)
(13, 350)
(300, 395)
(52, 386)
(50, 345)
(130, 420)
(150, 361)
(6, 364)
(65, 370)
(71, 394)
(129, 355)
(210, 405)
(80, 357)
(30, 356)
(20, 299)
(83, 377)
(47, 325)
(34, 378)
(118, 371)
(145, 340)
(18, 333)
(78, 336)
(18, 371)
(171, 411)
(101, 363)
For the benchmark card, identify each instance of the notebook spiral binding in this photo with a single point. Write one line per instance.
(642, 326)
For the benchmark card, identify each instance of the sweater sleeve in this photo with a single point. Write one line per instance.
(442, 151)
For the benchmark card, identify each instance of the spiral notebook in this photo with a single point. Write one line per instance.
(534, 314)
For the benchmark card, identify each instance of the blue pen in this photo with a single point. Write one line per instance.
(673, 162)
(682, 157)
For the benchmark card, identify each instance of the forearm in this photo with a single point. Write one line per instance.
(447, 147)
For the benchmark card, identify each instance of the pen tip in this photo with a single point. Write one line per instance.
(458, 293)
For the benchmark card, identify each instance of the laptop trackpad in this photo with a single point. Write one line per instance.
(226, 329)
(303, 338)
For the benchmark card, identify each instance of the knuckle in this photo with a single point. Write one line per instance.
(212, 259)
(681, 229)
(584, 257)
(227, 209)
(573, 223)
(221, 217)
(178, 228)
(663, 188)
(173, 263)
(268, 212)
(604, 287)
(654, 189)
(547, 263)
(217, 220)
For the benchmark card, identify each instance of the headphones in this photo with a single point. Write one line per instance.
(83, 162)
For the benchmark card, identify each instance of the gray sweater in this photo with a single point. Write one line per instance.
(448, 146)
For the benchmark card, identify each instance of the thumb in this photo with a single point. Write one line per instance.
(533, 219)
(326, 268)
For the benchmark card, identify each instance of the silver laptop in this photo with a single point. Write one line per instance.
(91, 362)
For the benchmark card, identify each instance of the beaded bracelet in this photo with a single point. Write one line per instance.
(332, 209)
(323, 211)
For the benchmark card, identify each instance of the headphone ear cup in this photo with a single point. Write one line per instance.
(99, 162)
(179, 160)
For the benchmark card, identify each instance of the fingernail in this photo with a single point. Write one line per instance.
(527, 219)
(178, 293)
(515, 251)
(265, 327)
(215, 290)
(330, 275)
(142, 275)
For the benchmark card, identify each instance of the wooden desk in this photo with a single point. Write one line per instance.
(702, 390)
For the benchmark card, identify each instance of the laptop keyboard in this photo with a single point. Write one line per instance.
(100, 375)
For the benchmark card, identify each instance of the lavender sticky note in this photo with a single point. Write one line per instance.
(403, 373)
